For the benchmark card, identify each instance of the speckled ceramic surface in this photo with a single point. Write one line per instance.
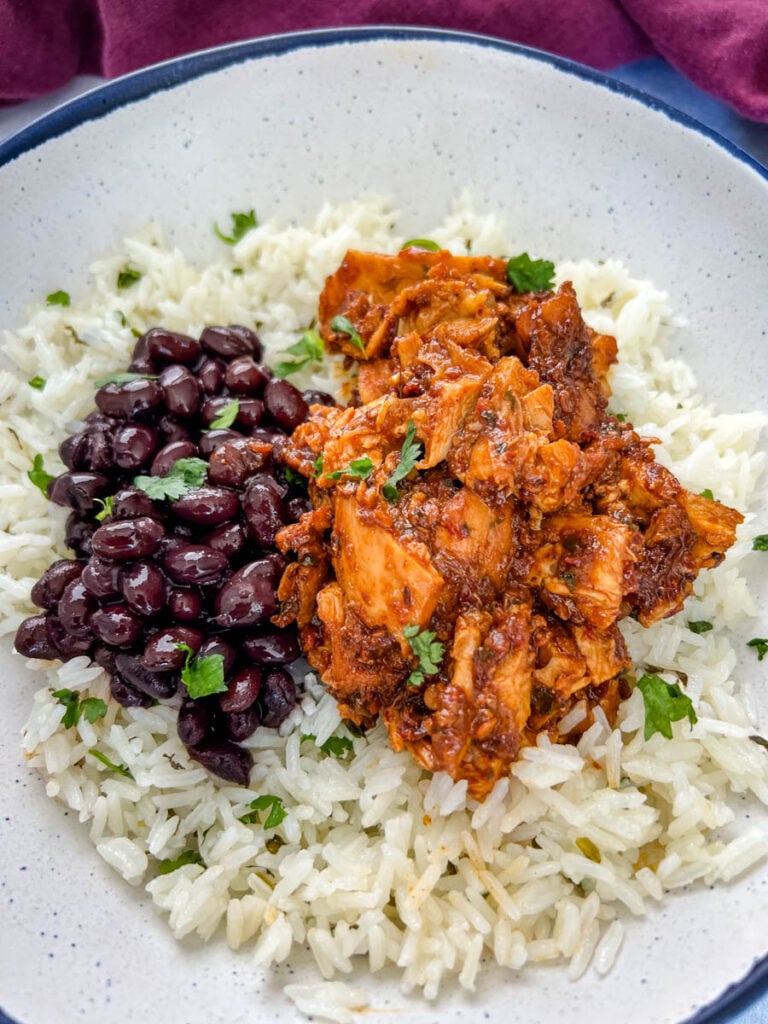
(577, 169)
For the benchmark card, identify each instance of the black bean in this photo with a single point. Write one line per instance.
(75, 609)
(116, 625)
(105, 657)
(78, 533)
(141, 360)
(143, 587)
(33, 639)
(101, 449)
(229, 343)
(210, 373)
(74, 451)
(194, 564)
(128, 695)
(194, 721)
(225, 759)
(185, 605)
(249, 336)
(244, 376)
(162, 653)
(133, 445)
(313, 397)
(285, 404)
(239, 725)
(271, 646)
(277, 698)
(129, 401)
(271, 436)
(128, 538)
(67, 645)
(207, 506)
(213, 407)
(296, 507)
(170, 347)
(242, 690)
(79, 490)
(160, 685)
(163, 462)
(234, 461)
(49, 588)
(210, 441)
(216, 645)
(171, 429)
(130, 503)
(102, 579)
(181, 390)
(263, 509)
(247, 598)
(250, 413)
(229, 539)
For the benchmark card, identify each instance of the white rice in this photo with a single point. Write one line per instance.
(382, 863)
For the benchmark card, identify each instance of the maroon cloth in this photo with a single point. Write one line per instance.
(721, 45)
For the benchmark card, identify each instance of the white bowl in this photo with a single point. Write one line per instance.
(578, 167)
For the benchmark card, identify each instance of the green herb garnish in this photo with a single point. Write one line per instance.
(38, 475)
(527, 275)
(699, 627)
(165, 867)
(107, 508)
(342, 325)
(93, 708)
(760, 543)
(127, 277)
(295, 479)
(227, 416)
(359, 468)
(706, 493)
(410, 454)
(664, 703)
(202, 676)
(38, 383)
(317, 465)
(761, 646)
(277, 812)
(242, 223)
(429, 652)
(422, 243)
(123, 378)
(309, 348)
(334, 746)
(120, 769)
(184, 475)
(59, 298)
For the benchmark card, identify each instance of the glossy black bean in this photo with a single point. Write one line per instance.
(235, 461)
(182, 391)
(133, 445)
(285, 403)
(194, 564)
(185, 605)
(296, 507)
(257, 349)
(229, 539)
(211, 440)
(313, 397)
(130, 503)
(105, 657)
(68, 646)
(277, 698)
(194, 721)
(239, 725)
(116, 625)
(128, 538)
(75, 609)
(49, 588)
(263, 510)
(33, 639)
(127, 695)
(242, 690)
(228, 343)
(141, 360)
(247, 598)
(210, 373)
(272, 646)
(163, 461)
(134, 400)
(79, 490)
(78, 534)
(160, 685)
(162, 653)
(271, 436)
(244, 376)
(102, 579)
(74, 451)
(216, 645)
(207, 506)
(225, 759)
(250, 413)
(101, 449)
(143, 587)
(172, 429)
(98, 419)
(169, 347)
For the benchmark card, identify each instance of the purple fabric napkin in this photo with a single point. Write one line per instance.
(721, 45)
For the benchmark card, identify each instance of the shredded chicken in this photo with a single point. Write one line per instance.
(527, 524)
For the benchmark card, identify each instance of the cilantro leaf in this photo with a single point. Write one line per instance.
(38, 383)
(359, 468)
(410, 454)
(202, 676)
(422, 243)
(242, 223)
(317, 465)
(92, 707)
(706, 493)
(107, 508)
(277, 812)
(664, 703)
(334, 746)
(38, 475)
(700, 627)
(761, 646)
(227, 416)
(128, 276)
(309, 348)
(123, 378)
(295, 479)
(429, 652)
(342, 325)
(165, 867)
(760, 543)
(527, 275)
(121, 769)
(184, 475)
(59, 298)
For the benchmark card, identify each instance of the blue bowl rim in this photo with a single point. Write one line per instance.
(130, 88)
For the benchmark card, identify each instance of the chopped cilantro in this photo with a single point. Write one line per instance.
(589, 849)
(317, 465)
(227, 416)
(761, 646)
(334, 746)
(91, 707)
(121, 769)
(165, 867)
(706, 493)
(410, 454)
(309, 348)
(184, 475)
(38, 475)
(429, 652)
(127, 277)
(242, 223)
(122, 378)
(760, 543)
(277, 812)
(58, 298)
(359, 468)
(107, 508)
(342, 325)
(38, 383)
(295, 479)
(620, 416)
(422, 243)
(664, 703)
(202, 676)
(699, 627)
(527, 275)
(238, 271)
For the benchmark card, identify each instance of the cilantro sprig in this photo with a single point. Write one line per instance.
(760, 543)
(343, 325)
(227, 416)
(361, 469)
(334, 746)
(107, 508)
(59, 298)
(707, 493)
(665, 703)
(527, 275)
(274, 804)
(91, 708)
(429, 651)
(202, 676)
(39, 477)
(242, 223)
(165, 867)
(761, 646)
(309, 349)
(422, 243)
(184, 475)
(119, 769)
(128, 276)
(700, 627)
(38, 383)
(410, 454)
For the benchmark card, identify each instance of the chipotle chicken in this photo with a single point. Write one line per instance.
(481, 523)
